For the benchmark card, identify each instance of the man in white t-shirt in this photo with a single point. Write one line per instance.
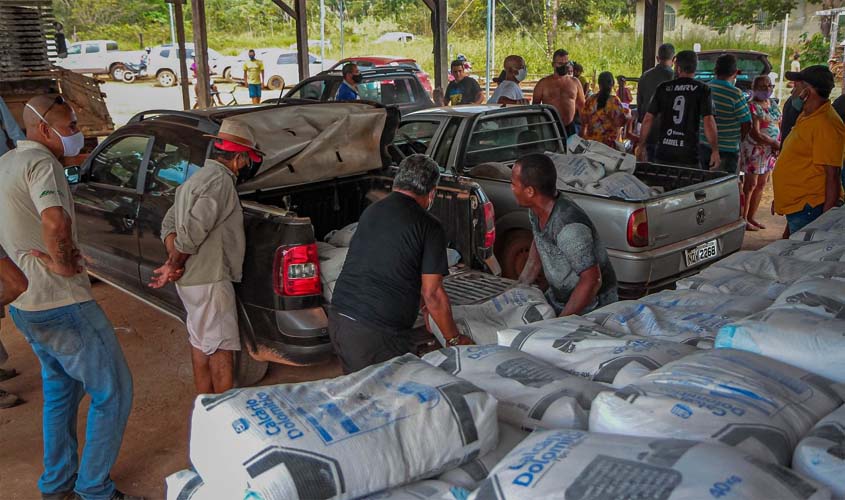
(508, 91)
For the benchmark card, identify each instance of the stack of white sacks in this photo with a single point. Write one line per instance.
(631, 401)
(593, 167)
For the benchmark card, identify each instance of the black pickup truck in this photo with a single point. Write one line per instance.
(315, 179)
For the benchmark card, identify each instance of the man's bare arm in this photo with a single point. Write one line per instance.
(644, 131)
(589, 283)
(437, 303)
(712, 135)
(62, 256)
(831, 187)
(580, 99)
(12, 281)
(537, 96)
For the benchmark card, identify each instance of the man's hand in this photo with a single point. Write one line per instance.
(640, 152)
(715, 160)
(165, 274)
(72, 269)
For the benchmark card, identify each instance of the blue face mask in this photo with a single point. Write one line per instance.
(797, 103)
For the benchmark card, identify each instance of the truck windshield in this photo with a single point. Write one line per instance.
(505, 138)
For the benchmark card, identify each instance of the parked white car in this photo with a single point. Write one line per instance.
(280, 67)
(395, 36)
(98, 57)
(164, 63)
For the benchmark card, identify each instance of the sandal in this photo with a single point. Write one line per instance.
(751, 227)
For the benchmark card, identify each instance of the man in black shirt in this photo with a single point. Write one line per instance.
(463, 90)
(397, 257)
(647, 86)
(681, 104)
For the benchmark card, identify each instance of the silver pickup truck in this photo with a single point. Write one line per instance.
(652, 242)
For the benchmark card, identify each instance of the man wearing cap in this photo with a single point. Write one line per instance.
(204, 235)
(68, 332)
(806, 177)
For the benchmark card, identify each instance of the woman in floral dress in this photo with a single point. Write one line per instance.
(603, 114)
(759, 148)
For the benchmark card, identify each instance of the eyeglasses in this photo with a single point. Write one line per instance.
(58, 100)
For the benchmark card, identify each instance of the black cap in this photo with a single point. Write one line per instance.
(819, 77)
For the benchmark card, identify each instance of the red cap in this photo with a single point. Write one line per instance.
(234, 147)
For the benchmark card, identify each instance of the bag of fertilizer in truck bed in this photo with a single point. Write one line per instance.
(717, 280)
(422, 490)
(621, 185)
(832, 250)
(470, 474)
(737, 398)
(613, 160)
(581, 347)
(696, 327)
(694, 300)
(342, 237)
(387, 425)
(517, 306)
(532, 394)
(576, 170)
(187, 485)
(578, 465)
(821, 454)
(827, 225)
(781, 269)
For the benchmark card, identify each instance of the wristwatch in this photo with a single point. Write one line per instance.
(454, 340)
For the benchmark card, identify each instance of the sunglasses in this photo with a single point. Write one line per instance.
(59, 100)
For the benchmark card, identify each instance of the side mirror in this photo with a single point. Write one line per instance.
(72, 175)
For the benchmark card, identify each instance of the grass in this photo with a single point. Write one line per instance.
(617, 52)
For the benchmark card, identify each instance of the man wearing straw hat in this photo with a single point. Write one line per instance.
(204, 235)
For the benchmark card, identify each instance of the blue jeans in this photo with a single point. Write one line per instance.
(79, 354)
(796, 221)
(729, 160)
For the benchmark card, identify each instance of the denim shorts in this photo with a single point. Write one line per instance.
(254, 90)
(796, 221)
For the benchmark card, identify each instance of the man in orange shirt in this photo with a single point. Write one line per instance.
(806, 177)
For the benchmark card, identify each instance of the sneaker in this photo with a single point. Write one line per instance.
(7, 374)
(119, 495)
(8, 400)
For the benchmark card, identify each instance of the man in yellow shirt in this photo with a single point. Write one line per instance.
(254, 76)
(806, 177)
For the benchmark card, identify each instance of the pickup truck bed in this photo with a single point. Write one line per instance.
(651, 243)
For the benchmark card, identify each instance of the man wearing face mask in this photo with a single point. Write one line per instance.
(69, 333)
(396, 258)
(563, 91)
(254, 76)
(204, 235)
(806, 177)
(348, 90)
(508, 91)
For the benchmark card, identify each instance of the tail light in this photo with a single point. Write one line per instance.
(296, 271)
(489, 225)
(638, 228)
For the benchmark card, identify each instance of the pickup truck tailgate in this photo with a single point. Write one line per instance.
(689, 212)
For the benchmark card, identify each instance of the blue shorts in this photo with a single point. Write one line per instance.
(796, 221)
(254, 90)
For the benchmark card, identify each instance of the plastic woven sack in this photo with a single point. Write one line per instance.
(821, 454)
(470, 474)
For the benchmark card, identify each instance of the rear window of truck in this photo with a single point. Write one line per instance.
(506, 138)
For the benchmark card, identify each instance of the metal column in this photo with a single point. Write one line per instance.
(183, 62)
(201, 53)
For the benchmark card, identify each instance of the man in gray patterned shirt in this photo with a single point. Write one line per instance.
(566, 244)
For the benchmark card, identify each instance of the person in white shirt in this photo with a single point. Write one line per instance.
(508, 91)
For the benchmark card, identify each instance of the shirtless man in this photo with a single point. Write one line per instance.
(562, 91)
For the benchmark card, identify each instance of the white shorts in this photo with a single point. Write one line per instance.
(212, 316)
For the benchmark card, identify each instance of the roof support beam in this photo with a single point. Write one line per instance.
(652, 31)
(201, 54)
(439, 29)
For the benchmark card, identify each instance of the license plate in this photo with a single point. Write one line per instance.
(699, 254)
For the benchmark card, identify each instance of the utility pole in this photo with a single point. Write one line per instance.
(781, 84)
(341, 28)
(172, 25)
(489, 47)
(322, 34)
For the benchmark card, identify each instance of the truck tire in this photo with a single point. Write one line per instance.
(513, 252)
(227, 74)
(276, 82)
(129, 76)
(166, 78)
(248, 371)
(116, 72)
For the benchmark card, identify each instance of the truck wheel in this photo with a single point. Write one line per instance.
(513, 252)
(129, 76)
(166, 78)
(276, 83)
(116, 72)
(248, 371)
(227, 74)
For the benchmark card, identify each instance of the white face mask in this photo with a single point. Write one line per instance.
(521, 74)
(72, 144)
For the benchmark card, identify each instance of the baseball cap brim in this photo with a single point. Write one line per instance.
(233, 147)
(793, 76)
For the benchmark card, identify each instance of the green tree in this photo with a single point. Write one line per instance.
(722, 14)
